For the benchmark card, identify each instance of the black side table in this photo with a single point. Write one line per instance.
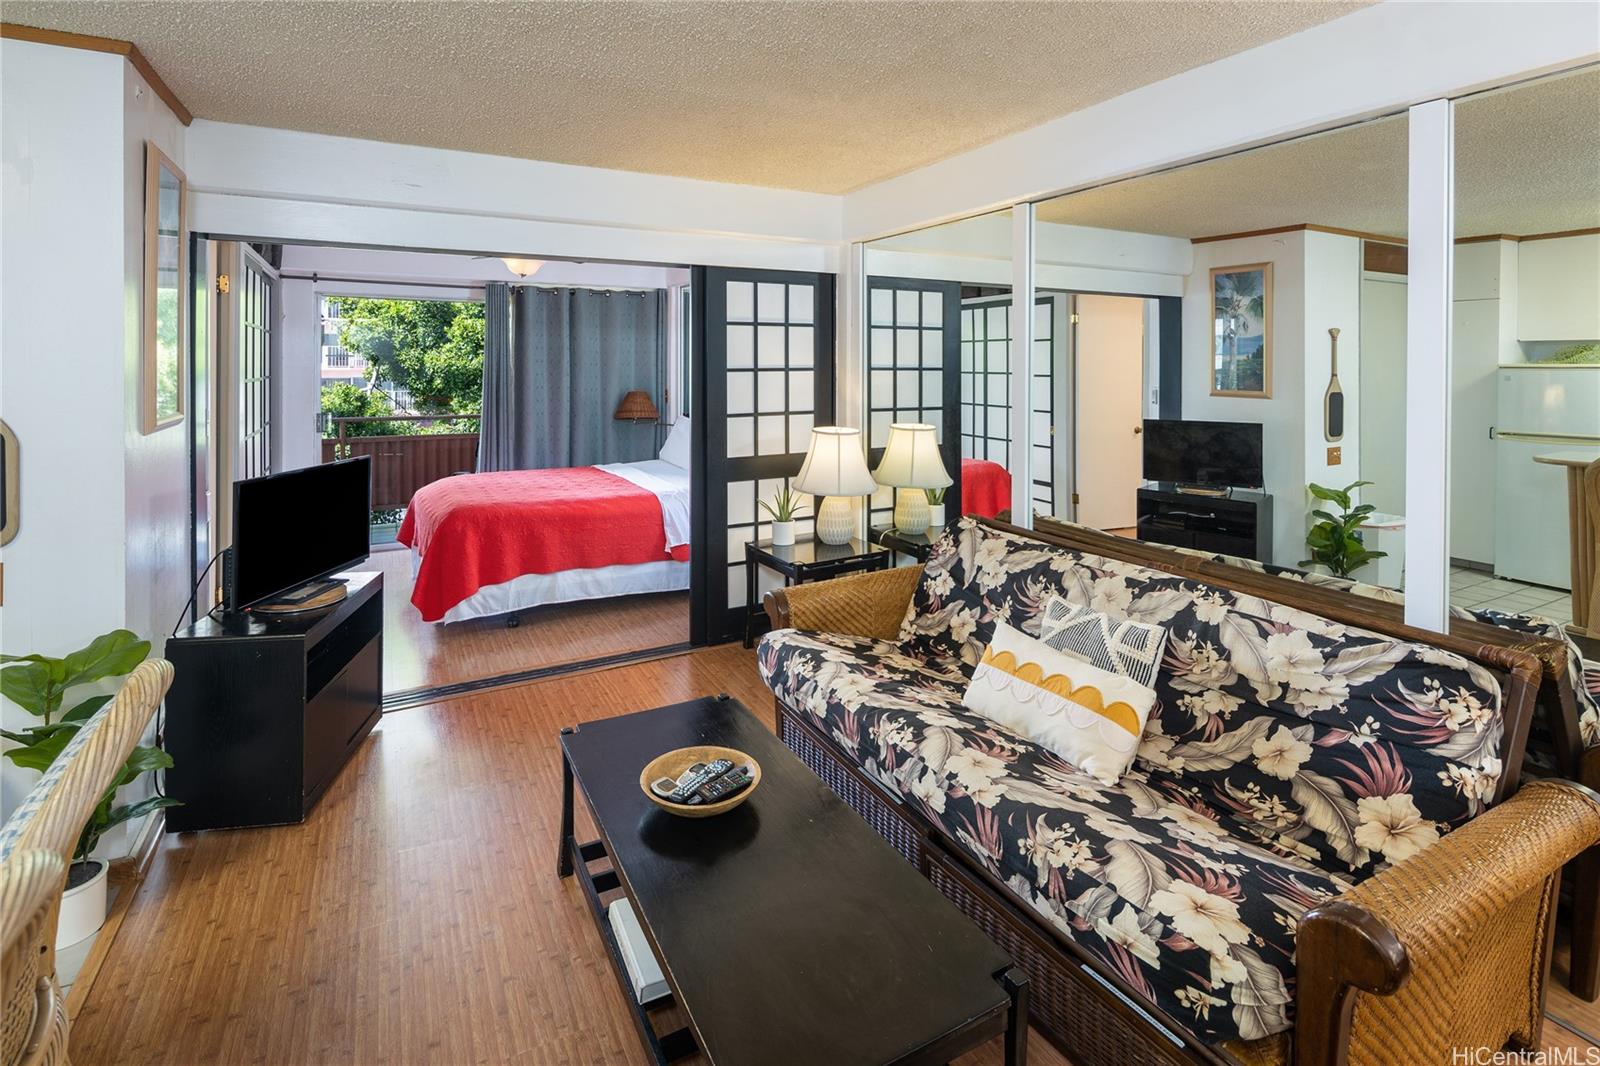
(806, 559)
(917, 545)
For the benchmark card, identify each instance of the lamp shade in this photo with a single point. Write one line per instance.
(637, 406)
(835, 465)
(522, 268)
(911, 458)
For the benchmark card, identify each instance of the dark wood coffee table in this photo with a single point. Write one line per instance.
(788, 930)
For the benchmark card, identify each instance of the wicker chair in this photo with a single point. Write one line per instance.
(1450, 948)
(36, 847)
(35, 1027)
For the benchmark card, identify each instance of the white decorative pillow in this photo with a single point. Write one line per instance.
(675, 449)
(1090, 717)
(1132, 649)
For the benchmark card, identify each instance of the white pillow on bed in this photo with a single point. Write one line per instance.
(676, 448)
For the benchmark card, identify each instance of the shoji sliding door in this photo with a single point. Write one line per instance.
(913, 373)
(985, 388)
(764, 377)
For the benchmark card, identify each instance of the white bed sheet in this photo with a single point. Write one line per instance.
(670, 484)
(566, 586)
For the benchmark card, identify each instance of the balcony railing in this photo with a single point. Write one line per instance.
(403, 463)
(336, 356)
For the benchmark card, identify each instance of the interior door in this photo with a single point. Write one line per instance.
(257, 294)
(1110, 416)
(913, 374)
(202, 334)
(241, 391)
(763, 376)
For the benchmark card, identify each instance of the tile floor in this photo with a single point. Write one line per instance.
(1482, 590)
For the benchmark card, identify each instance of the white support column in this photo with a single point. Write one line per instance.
(850, 365)
(1431, 247)
(850, 353)
(1021, 417)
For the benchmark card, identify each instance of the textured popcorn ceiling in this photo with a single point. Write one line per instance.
(823, 96)
(1527, 161)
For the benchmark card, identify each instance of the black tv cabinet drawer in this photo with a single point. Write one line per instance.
(1239, 523)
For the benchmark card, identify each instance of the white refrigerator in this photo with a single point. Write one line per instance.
(1542, 409)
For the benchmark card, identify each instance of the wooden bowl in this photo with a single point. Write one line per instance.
(676, 762)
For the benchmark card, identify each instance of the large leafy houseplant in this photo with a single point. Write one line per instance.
(39, 685)
(1335, 541)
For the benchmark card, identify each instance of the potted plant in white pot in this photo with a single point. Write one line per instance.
(1335, 540)
(784, 509)
(39, 684)
(936, 510)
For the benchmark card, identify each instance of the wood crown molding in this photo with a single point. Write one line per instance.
(1296, 228)
(1363, 235)
(62, 39)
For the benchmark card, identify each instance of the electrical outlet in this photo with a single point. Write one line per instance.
(1335, 456)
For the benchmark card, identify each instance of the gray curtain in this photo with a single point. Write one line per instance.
(574, 353)
(495, 428)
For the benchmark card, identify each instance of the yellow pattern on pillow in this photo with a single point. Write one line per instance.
(1062, 685)
(1090, 717)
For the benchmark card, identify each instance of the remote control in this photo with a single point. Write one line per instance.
(727, 785)
(666, 786)
(695, 778)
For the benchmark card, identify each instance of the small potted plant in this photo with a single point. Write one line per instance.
(39, 684)
(1335, 541)
(936, 510)
(784, 509)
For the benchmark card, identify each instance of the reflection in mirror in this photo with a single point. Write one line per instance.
(1525, 349)
(1223, 327)
(938, 311)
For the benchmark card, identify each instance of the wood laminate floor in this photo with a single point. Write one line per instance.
(416, 916)
(417, 654)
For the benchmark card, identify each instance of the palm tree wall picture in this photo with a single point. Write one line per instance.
(1241, 330)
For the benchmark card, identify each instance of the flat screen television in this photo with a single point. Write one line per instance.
(298, 526)
(1212, 454)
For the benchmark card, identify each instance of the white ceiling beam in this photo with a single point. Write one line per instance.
(252, 161)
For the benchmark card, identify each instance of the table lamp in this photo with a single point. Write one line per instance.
(911, 461)
(835, 469)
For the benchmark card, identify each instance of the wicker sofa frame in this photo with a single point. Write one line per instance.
(1554, 706)
(1409, 964)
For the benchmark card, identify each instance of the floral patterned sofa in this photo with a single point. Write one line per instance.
(1565, 736)
(1317, 812)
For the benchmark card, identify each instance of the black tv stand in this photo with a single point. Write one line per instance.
(1239, 522)
(263, 713)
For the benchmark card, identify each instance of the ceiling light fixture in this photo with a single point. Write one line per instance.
(522, 268)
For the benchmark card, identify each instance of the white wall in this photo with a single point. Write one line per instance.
(61, 345)
(103, 540)
(1282, 416)
(1332, 300)
(156, 484)
(1381, 426)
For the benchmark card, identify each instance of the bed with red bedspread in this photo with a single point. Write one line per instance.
(489, 543)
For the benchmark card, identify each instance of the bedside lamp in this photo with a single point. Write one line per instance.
(911, 460)
(636, 406)
(835, 469)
